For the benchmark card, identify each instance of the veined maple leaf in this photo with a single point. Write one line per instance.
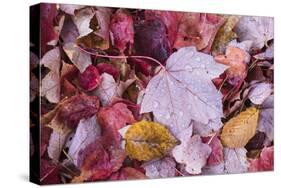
(183, 90)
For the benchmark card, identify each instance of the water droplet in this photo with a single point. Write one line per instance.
(198, 59)
(167, 116)
(180, 113)
(155, 104)
(202, 66)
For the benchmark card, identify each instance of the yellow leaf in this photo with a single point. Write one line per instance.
(225, 35)
(148, 140)
(239, 130)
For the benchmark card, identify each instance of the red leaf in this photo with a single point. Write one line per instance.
(265, 162)
(113, 118)
(49, 173)
(142, 65)
(122, 29)
(109, 69)
(216, 156)
(128, 173)
(90, 78)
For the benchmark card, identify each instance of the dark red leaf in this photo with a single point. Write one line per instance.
(109, 69)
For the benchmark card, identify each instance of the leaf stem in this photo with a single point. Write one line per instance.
(123, 56)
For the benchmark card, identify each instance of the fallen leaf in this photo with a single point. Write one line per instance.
(225, 35)
(216, 156)
(82, 20)
(193, 154)
(70, 9)
(128, 173)
(197, 29)
(265, 162)
(112, 118)
(235, 160)
(49, 172)
(122, 29)
(184, 91)
(50, 84)
(90, 78)
(266, 120)
(162, 168)
(240, 129)
(109, 69)
(79, 58)
(259, 92)
(148, 140)
(88, 130)
(256, 29)
(70, 111)
(108, 88)
(69, 32)
(207, 129)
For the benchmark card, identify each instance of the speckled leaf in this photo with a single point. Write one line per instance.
(235, 160)
(239, 130)
(184, 91)
(257, 29)
(148, 140)
(79, 58)
(162, 168)
(225, 35)
(193, 154)
(50, 85)
(88, 131)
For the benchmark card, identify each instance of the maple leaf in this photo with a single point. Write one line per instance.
(256, 29)
(162, 168)
(122, 29)
(148, 140)
(239, 130)
(235, 160)
(108, 88)
(194, 154)
(266, 120)
(79, 58)
(216, 156)
(265, 162)
(88, 130)
(50, 86)
(183, 90)
(112, 118)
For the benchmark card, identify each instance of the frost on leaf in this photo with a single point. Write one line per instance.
(162, 168)
(235, 160)
(88, 131)
(260, 92)
(148, 140)
(50, 85)
(257, 29)
(184, 90)
(193, 154)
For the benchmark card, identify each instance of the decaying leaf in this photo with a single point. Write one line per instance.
(239, 130)
(148, 140)
(184, 91)
(50, 85)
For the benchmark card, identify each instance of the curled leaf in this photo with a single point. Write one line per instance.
(239, 130)
(148, 140)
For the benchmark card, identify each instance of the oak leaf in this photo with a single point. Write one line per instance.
(239, 130)
(148, 140)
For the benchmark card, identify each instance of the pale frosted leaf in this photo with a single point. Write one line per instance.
(213, 169)
(184, 91)
(235, 160)
(79, 58)
(50, 85)
(244, 45)
(194, 155)
(206, 129)
(254, 28)
(70, 9)
(162, 168)
(56, 144)
(260, 92)
(82, 20)
(87, 132)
